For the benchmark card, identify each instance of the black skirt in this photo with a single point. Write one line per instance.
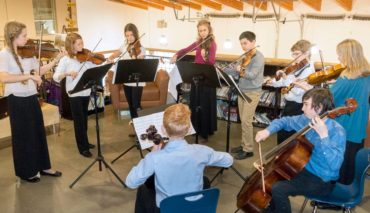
(30, 149)
(205, 123)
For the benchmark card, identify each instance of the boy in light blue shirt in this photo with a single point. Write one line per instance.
(177, 167)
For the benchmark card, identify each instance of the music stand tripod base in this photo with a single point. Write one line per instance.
(90, 79)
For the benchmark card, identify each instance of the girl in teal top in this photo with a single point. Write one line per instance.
(354, 82)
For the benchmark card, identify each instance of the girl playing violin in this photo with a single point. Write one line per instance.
(250, 82)
(21, 75)
(136, 51)
(204, 54)
(70, 68)
(293, 99)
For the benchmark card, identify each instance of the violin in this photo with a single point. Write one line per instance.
(293, 68)
(134, 49)
(87, 55)
(31, 49)
(319, 77)
(246, 61)
(283, 162)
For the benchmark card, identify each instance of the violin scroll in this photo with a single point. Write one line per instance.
(351, 106)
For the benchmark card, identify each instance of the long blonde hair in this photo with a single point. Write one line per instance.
(70, 41)
(351, 54)
(12, 30)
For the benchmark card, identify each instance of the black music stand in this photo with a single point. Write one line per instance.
(135, 71)
(199, 74)
(233, 88)
(92, 78)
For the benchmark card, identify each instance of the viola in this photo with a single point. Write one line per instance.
(283, 162)
(246, 61)
(87, 55)
(32, 48)
(293, 68)
(319, 77)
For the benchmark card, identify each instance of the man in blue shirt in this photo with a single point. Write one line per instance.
(328, 139)
(177, 167)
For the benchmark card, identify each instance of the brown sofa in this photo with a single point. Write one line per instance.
(154, 93)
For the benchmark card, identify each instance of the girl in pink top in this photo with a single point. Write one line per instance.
(205, 53)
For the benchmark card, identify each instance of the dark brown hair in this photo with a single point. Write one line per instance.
(320, 98)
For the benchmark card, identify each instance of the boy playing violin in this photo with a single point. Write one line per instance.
(250, 83)
(293, 99)
(329, 142)
(177, 159)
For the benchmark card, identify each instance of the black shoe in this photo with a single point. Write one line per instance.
(86, 153)
(32, 180)
(321, 205)
(243, 155)
(236, 149)
(55, 174)
(91, 146)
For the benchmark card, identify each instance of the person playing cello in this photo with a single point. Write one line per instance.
(329, 142)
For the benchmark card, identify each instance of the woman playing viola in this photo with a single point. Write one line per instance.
(70, 68)
(204, 54)
(293, 99)
(136, 51)
(21, 76)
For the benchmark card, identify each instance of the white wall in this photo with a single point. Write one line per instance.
(106, 19)
(22, 11)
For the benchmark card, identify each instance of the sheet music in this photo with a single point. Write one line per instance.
(141, 124)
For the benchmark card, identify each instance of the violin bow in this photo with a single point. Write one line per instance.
(195, 47)
(127, 50)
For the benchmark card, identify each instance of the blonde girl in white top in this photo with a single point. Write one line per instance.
(20, 75)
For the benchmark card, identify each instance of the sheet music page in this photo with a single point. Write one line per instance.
(141, 124)
(236, 86)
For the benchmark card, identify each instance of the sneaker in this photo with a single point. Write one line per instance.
(243, 155)
(236, 149)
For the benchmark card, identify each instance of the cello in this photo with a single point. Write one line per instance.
(283, 162)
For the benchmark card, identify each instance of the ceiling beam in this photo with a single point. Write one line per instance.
(232, 3)
(286, 4)
(150, 4)
(188, 4)
(258, 3)
(346, 4)
(132, 4)
(167, 4)
(315, 4)
(210, 4)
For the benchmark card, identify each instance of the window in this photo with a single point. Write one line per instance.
(45, 18)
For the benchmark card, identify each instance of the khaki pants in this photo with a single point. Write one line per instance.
(246, 112)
